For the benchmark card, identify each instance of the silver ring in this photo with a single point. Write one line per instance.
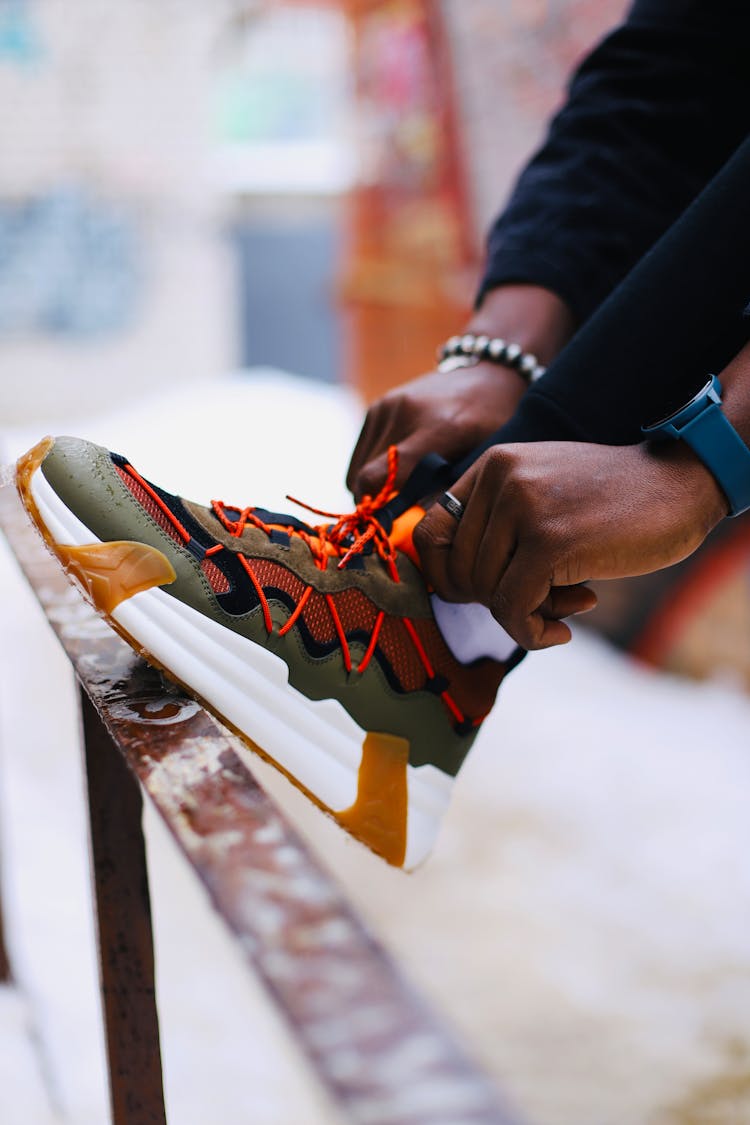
(451, 504)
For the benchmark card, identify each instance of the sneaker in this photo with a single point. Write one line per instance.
(318, 644)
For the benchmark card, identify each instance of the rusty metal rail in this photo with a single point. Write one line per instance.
(374, 1043)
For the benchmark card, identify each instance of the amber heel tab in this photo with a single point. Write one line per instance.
(379, 815)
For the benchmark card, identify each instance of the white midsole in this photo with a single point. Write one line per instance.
(249, 686)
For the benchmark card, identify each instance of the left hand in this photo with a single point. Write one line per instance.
(542, 518)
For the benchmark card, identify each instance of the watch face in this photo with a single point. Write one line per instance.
(684, 408)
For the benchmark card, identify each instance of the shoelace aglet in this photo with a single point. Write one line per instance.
(342, 564)
(357, 546)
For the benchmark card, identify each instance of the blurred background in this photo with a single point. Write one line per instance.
(224, 221)
(300, 184)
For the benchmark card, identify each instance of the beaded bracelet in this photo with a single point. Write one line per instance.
(472, 349)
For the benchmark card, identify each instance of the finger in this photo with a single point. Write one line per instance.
(522, 590)
(493, 554)
(371, 478)
(460, 558)
(366, 445)
(440, 536)
(564, 601)
(411, 450)
(485, 540)
(433, 539)
(386, 430)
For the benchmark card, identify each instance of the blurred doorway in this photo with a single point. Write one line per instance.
(282, 103)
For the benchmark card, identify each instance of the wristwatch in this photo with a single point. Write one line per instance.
(709, 433)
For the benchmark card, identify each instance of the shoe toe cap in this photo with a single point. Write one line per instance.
(86, 481)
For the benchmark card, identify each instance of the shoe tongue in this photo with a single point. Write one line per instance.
(431, 474)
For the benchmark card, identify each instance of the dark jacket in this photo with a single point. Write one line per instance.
(653, 115)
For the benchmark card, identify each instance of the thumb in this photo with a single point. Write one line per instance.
(369, 480)
(371, 477)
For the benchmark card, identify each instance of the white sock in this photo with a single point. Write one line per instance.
(470, 631)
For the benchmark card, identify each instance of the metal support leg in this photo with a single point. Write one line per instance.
(123, 910)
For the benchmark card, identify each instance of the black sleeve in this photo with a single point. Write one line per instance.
(651, 115)
(681, 313)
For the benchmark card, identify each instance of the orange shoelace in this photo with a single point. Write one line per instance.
(346, 537)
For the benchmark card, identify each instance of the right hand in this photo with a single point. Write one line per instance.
(450, 413)
(442, 412)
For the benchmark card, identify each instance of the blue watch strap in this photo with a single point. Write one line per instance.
(709, 433)
(721, 449)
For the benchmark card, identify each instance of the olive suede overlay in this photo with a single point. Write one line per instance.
(83, 475)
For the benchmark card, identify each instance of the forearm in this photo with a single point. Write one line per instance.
(735, 381)
(675, 318)
(528, 315)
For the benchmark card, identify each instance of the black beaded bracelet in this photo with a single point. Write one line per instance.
(474, 349)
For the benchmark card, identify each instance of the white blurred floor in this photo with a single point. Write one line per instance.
(583, 921)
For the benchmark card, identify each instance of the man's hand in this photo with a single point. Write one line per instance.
(448, 413)
(451, 413)
(543, 518)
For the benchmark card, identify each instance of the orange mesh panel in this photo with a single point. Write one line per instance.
(274, 574)
(441, 657)
(472, 689)
(317, 617)
(399, 650)
(217, 579)
(356, 611)
(149, 504)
